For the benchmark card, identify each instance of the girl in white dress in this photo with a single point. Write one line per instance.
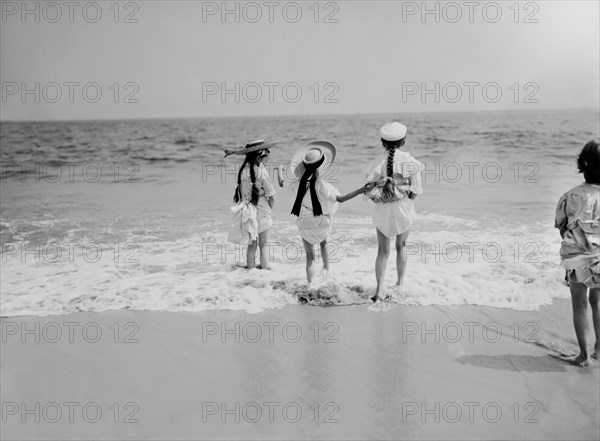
(394, 180)
(254, 196)
(578, 218)
(316, 200)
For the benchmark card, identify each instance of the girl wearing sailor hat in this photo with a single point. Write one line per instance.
(394, 179)
(316, 200)
(254, 200)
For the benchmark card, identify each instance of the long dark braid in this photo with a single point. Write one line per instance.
(237, 196)
(388, 188)
(254, 199)
(390, 162)
(251, 159)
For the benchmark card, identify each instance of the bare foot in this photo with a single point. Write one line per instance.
(267, 268)
(245, 266)
(578, 360)
(385, 298)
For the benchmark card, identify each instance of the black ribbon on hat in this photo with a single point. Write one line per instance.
(309, 176)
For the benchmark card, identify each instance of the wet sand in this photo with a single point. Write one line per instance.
(301, 372)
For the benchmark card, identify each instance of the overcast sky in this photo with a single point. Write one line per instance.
(359, 57)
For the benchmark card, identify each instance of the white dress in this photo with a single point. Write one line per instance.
(316, 229)
(250, 220)
(394, 216)
(578, 217)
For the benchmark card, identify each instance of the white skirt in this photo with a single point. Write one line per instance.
(263, 214)
(583, 269)
(314, 229)
(394, 218)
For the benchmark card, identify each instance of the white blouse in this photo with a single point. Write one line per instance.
(262, 181)
(326, 193)
(404, 164)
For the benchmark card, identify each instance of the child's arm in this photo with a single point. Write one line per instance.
(353, 194)
(560, 218)
(269, 191)
(277, 170)
(416, 186)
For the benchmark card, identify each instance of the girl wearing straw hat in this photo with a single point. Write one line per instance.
(394, 179)
(316, 200)
(254, 198)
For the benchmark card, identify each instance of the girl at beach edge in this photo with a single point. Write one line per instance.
(316, 200)
(578, 218)
(254, 198)
(394, 180)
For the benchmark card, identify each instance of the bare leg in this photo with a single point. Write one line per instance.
(310, 258)
(579, 301)
(401, 256)
(251, 255)
(263, 238)
(324, 255)
(594, 296)
(383, 252)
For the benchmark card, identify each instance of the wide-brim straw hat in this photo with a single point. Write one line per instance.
(312, 153)
(254, 146)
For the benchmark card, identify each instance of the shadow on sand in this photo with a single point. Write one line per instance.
(520, 363)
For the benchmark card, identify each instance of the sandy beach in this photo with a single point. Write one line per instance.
(137, 136)
(301, 372)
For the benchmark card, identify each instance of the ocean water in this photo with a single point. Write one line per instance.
(104, 215)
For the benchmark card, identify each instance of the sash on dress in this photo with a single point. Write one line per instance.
(401, 189)
(244, 225)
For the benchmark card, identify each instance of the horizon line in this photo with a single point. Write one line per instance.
(597, 109)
